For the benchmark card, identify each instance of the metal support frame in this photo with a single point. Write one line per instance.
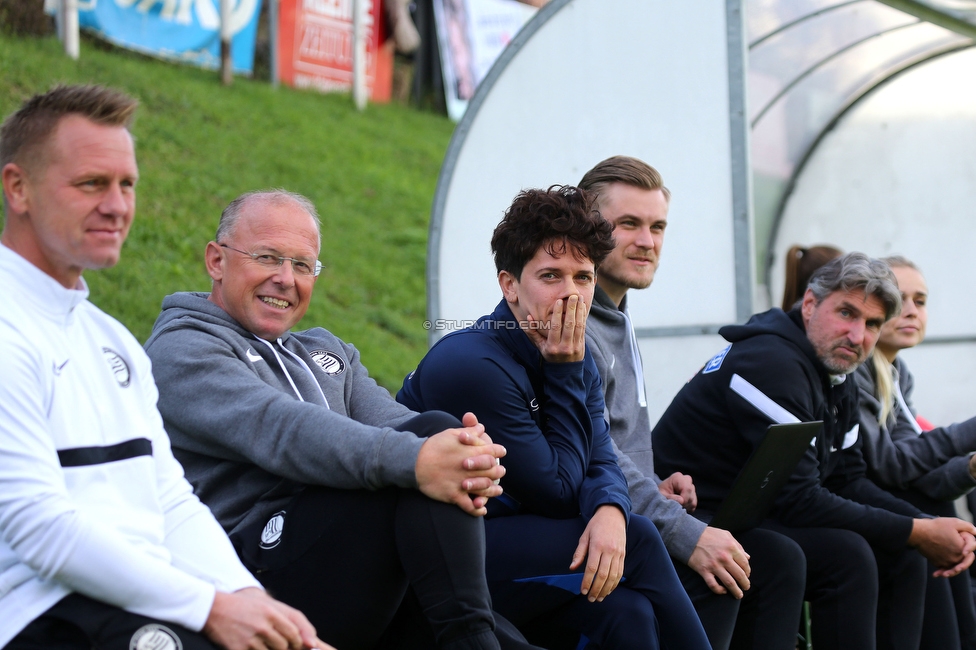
(742, 219)
(932, 15)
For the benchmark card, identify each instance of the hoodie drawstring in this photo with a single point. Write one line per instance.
(291, 381)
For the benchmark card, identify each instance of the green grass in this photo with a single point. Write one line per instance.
(371, 175)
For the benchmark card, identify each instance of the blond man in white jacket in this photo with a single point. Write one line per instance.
(102, 542)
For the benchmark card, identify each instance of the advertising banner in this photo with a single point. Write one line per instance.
(315, 47)
(180, 30)
(471, 34)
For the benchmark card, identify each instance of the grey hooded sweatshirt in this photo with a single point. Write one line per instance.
(254, 421)
(609, 337)
(901, 455)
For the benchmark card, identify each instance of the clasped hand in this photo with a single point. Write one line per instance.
(946, 541)
(680, 488)
(461, 466)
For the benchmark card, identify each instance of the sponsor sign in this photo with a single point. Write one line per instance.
(180, 30)
(471, 35)
(315, 47)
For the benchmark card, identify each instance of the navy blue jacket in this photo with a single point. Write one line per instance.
(716, 421)
(549, 416)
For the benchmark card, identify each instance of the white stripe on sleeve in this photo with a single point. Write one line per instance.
(761, 401)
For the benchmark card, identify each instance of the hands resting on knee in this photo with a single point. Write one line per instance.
(946, 541)
(461, 466)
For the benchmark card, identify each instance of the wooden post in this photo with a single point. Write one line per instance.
(273, 41)
(70, 25)
(226, 65)
(359, 53)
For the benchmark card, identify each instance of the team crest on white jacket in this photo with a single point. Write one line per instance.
(271, 535)
(330, 362)
(119, 367)
(155, 637)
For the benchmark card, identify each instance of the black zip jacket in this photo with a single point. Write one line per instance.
(770, 373)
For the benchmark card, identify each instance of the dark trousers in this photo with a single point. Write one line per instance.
(950, 614)
(346, 558)
(768, 615)
(528, 573)
(77, 622)
(861, 597)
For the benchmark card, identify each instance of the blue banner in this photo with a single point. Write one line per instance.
(180, 30)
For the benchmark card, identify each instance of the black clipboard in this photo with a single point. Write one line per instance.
(764, 475)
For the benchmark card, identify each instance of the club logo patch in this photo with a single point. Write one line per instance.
(716, 362)
(271, 535)
(329, 362)
(155, 637)
(119, 367)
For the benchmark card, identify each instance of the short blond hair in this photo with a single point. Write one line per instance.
(626, 170)
(24, 133)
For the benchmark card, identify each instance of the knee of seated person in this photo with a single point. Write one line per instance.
(784, 552)
(430, 423)
(852, 555)
(908, 563)
(642, 533)
(628, 620)
(790, 561)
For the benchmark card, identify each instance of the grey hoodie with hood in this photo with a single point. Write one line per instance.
(608, 335)
(254, 421)
(900, 455)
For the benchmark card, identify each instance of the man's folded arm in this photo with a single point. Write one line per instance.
(215, 404)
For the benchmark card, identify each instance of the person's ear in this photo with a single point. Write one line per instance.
(213, 257)
(808, 305)
(15, 188)
(509, 286)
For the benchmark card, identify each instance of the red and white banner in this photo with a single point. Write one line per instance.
(315, 47)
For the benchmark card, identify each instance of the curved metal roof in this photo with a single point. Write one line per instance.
(811, 60)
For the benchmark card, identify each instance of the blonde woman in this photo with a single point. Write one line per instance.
(927, 468)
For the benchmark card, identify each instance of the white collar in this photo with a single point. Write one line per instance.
(45, 294)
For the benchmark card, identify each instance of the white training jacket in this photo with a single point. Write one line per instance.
(91, 498)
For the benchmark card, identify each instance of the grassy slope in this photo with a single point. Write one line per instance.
(199, 145)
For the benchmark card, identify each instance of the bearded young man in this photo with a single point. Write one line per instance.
(747, 589)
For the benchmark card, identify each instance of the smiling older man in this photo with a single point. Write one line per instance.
(865, 584)
(337, 497)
